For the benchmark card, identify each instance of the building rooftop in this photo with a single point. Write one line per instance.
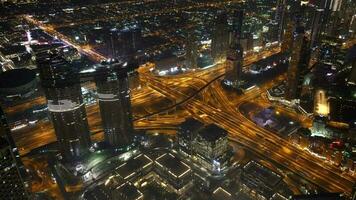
(262, 173)
(323, 196)
(129, 168)
(173, 164)
(212, 133)
(129, 191)
(99, 192)
(220, 193)
(8, 50)
(16, 77)
(188, 126)
(260, 178)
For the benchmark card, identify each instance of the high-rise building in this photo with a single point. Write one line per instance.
(130, 41)
(316, 26)
(287, 41)
(342, 108)
(11, 183)
(298, 64)
(234, 63)
(65, 104)
(280, 17)
(331, 15)
(236, 33)
(191, 49)
(115, 104)
(220, 38)
(187, 132)
(112, 43)
(124, 43)
(234, 60)
(332, 5)
(211, 147)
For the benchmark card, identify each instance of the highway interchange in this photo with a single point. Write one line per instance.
(201, 95)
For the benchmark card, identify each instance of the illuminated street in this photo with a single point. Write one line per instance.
(160, 99)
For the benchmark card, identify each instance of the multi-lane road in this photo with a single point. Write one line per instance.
(260, 140)
(223, 112)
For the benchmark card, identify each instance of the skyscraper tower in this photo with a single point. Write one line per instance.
(331, 15)
(130, 41)
(191, 49)
(298, 64)
(287, 41)
(332, 5)
(236, 33)
(112, 43)
(220, 38)
(115, 104)
(234, 63)
(11, 183)
(234, 60)
(317, 23)
(123, 43)
(280, 17)
(65, 104)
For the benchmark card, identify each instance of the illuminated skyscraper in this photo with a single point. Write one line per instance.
(130, 41)
(234, 60)
(65, 104)
(234, 63)
(115, 104)
(124, 43)
(287, 41)
(331, 14)
(298, 64)
(280, 17)
(11, 183)
(220, 38)
(316, 28)
(236, 33)
(191, 49)
(332, 5)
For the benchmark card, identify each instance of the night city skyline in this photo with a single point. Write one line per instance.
(178, 99)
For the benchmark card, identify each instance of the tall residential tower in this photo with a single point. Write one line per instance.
(220, 38)
(115, 103)
(298, 64)
(65, 104)
(234, 60)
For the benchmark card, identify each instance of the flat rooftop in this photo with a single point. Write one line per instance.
(99, 192)
(129, 191)
(129, 168)
(212, 132)
(220, 193)
(174, 165)
(189, 126)
(261, 173)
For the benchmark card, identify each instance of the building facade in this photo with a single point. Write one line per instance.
(220, 38)
(11, 182)
(65, 105)
(298, 64)
(115, 104)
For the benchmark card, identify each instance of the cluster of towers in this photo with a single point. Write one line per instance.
(61, 84)
(295, 40)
